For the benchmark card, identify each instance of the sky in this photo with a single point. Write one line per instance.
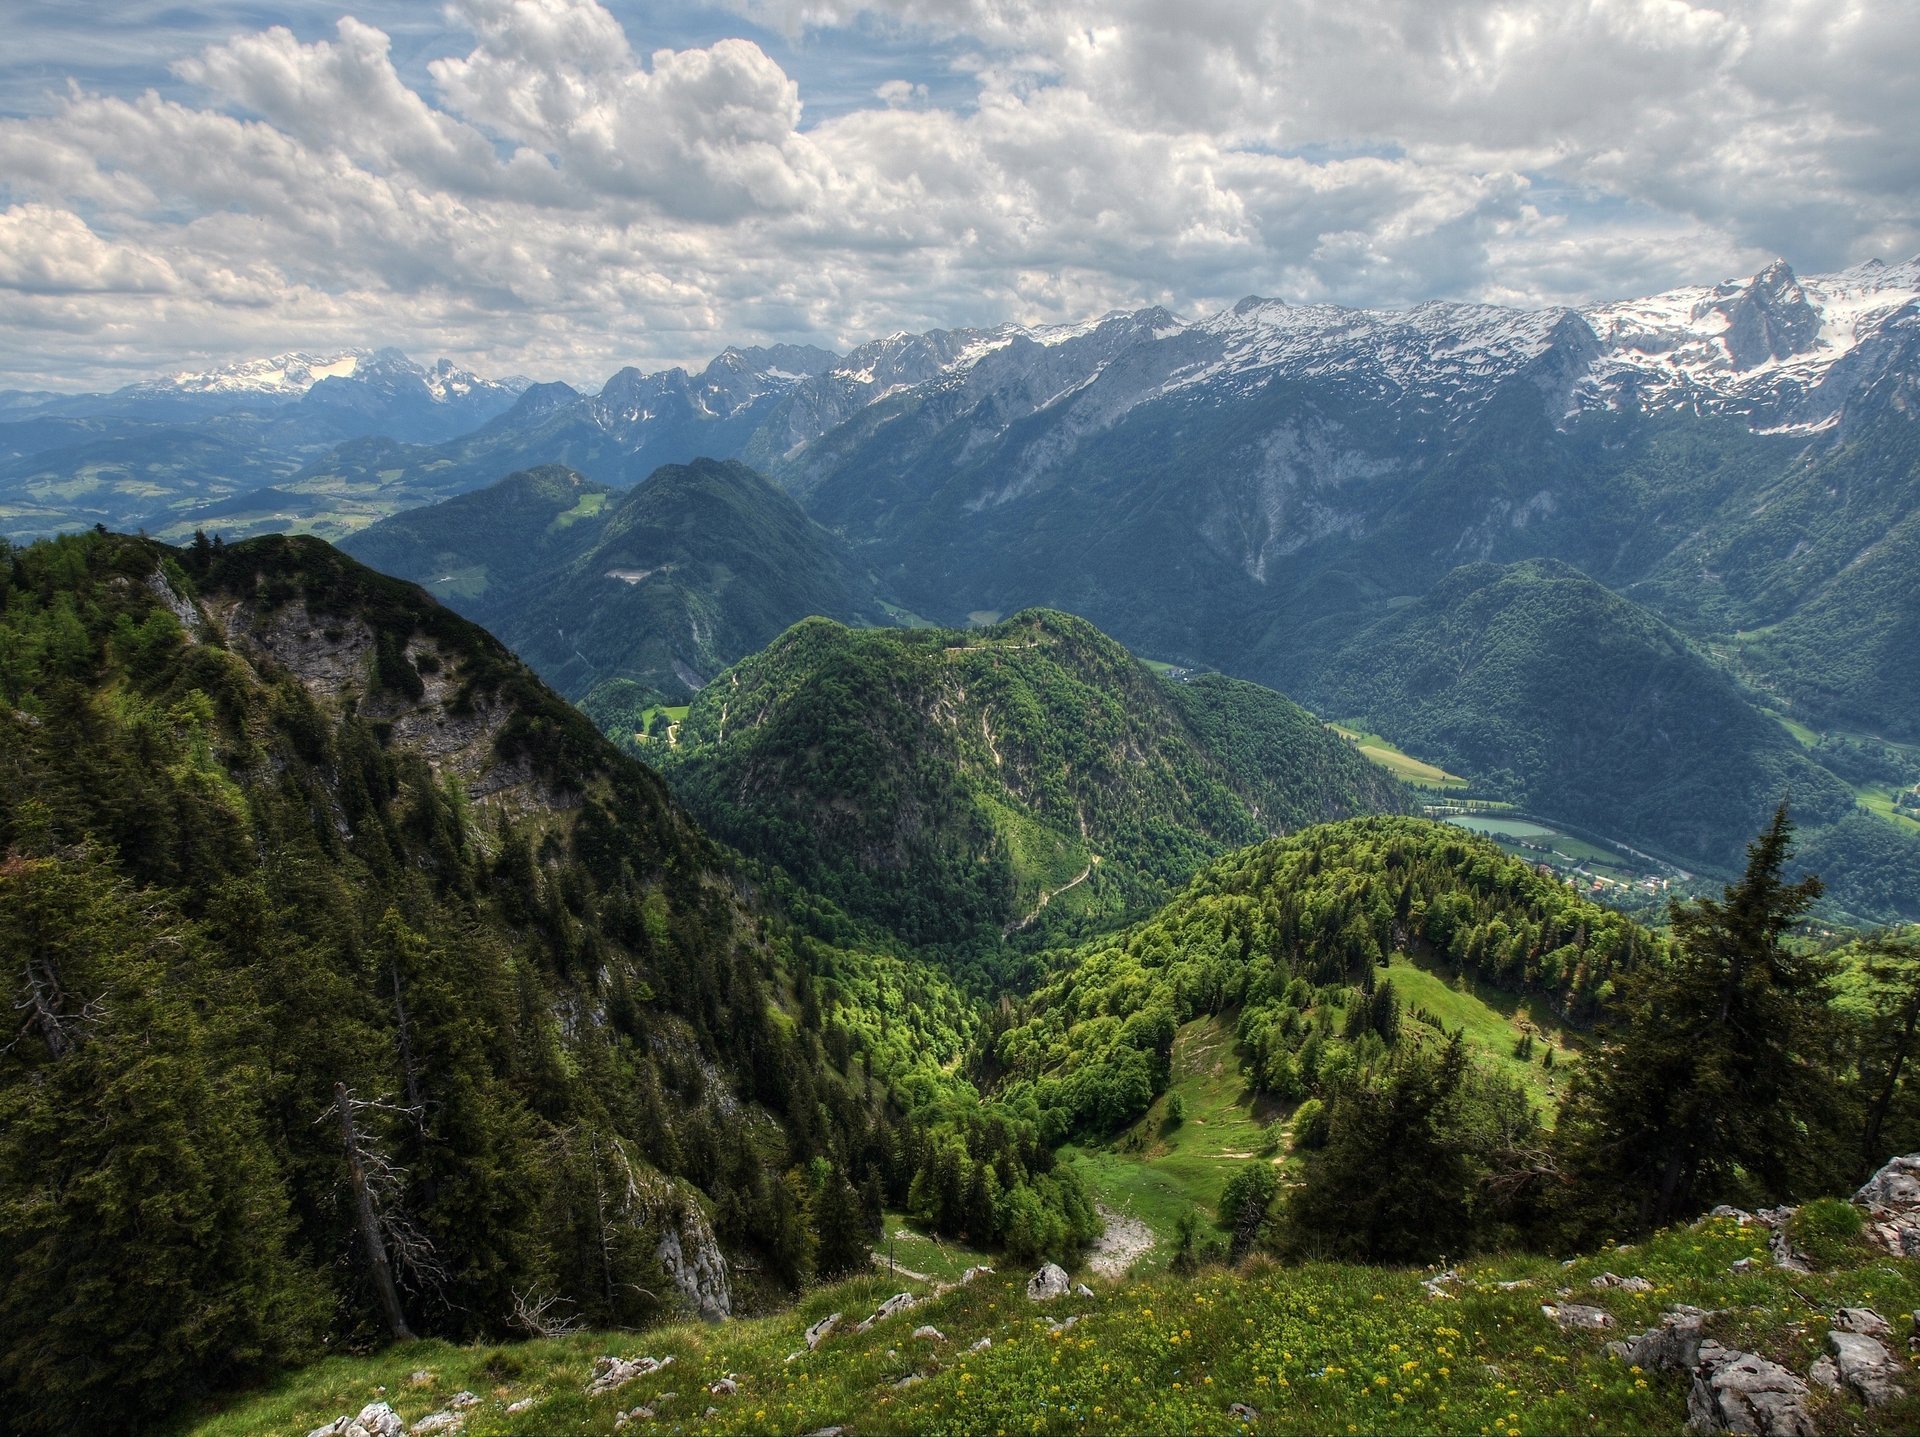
(558, 188)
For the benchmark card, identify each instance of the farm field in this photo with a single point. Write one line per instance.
(1402, 765)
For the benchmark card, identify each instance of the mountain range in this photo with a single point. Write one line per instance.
(1263, 491)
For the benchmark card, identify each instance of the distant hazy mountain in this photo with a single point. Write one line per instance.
(665, 584)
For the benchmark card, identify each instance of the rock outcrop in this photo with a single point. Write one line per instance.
(611, 1372)
(1892, 1200)
(1672, 1346)
(1866, 1368)
(691, 1258)
(376, 1419)
(1048, 1283)
(1744, 1392)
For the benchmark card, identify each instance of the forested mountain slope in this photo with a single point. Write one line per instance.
(958, 786)
(663, 584)
(331, 932)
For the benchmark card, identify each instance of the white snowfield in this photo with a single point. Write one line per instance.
(288, 376)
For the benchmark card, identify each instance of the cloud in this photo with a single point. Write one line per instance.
(537, 190)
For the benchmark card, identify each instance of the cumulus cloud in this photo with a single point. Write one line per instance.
(551, 194)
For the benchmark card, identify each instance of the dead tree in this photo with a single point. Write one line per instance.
(386, 1236)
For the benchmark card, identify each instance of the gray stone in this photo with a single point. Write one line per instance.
(930, 1334)
(1743, 1392)
(1739, 1215)
(1625, 1284)
(633, 1414)
(971, 1273)
(1080, 1289)
(1895, 1186)
(1863, 1320)
(1866, 1367)
(1744, 1264)
(1825, 1372)
(1240, 1412)
(525, 1404)
(1048, 1283)
(725, 1387)
(982, 1345)
(828, 1432)
(1573, 1317)
(1673, 1345)
(820, 1330)
(912, 1379)
(691, 1258)
(376, 1419)
(612, 1372)
(442, 1421)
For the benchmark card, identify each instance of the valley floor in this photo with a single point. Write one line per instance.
(1316, 1349)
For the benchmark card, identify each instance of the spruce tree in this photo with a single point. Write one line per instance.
(1717, 1084)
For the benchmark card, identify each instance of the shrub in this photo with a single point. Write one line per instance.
(1827, 1230)
(1310, 1125)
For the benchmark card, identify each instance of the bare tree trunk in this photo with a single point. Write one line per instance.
(369, 1225)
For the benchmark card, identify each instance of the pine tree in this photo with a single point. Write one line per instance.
(1717, 1076)
(841, 1227)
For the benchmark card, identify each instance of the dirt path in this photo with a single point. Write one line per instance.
(1124, 1242)
(880, 1261)
(1046, 897)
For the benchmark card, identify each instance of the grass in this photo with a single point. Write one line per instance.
(1493, 1021)
(1157, 1170)
(1313, 1349)
(939, 1258)
(1401, 765)
(1878, 800)
(588, 507)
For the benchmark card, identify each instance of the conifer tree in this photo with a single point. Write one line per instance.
(1717, 1078)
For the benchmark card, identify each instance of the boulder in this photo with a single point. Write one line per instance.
(376, 1419)
(929, 1334)
(982, 1345)
(1739, 1215)
(971, 1273)
(1825, 1372)
(691, 1258)
(1240, 1412)
(912, 1379)
(1080, 1289)
(1573, 1317)
(821, 1330)
(1743, 1392)
(725, 1387)
(1863, 1320)
(633, 1414)
(611, 1372)
(1672, 1346)
(442, 1421)
(1866, 1367)
(525, 1404)
(1048, 1283)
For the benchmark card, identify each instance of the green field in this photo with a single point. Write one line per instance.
(928, 1257)
(1493, 1022)
(1156, 1171)
(1400, 765)
(1503, 827)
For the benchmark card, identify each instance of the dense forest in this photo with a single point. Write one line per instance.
(403, 1002)
(961, 787)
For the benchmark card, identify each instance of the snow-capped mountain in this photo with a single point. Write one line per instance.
(290, 376)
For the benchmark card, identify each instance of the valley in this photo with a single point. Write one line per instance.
(799, 892)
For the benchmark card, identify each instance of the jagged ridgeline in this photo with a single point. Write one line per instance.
(330, 932)
(1029, 776)
(1286, 937)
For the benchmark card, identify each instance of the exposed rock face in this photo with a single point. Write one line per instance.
(1672, 1346)
(1048, 1283)
(693, 1262)
(1892, 1200)
(1625, 1284)
(1866, 1367)
(376, 1419)
(1743, 1392)
(821, 1330)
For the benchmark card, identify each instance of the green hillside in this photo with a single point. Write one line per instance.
(315, 891)
(1549, 690)
(959, 786)
(1310, 1350)
(473, 550)
(1288, 941)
